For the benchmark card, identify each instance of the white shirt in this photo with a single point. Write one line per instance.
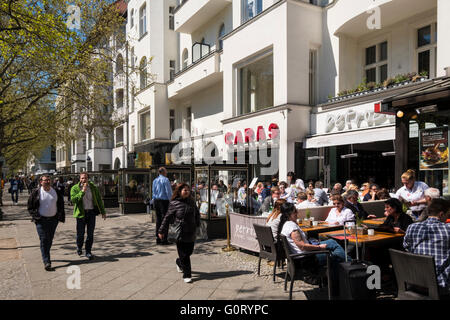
(288, 228)
(88, 204)
(47, 202)
(417, 193)
(306, 204)
(273, 224)
(344, 215)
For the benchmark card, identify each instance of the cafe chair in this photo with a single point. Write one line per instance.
(268, 248)
(416, 276)
(300, 264)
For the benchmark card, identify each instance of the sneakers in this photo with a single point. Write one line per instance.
(89, 256)
(187, 280)
(179, 269)
(48, 266)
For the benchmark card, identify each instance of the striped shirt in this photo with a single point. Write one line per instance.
(432, 238)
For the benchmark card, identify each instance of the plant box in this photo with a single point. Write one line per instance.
(361, 230)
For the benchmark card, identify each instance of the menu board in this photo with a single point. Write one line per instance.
(434, 149)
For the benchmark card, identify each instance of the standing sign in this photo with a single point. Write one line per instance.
(434, 149)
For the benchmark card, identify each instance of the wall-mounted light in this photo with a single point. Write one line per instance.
(388, 154)
(350, 155)
(400, 114)
(316, 158)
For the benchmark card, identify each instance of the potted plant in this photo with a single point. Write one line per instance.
(358, 228)
(307, 221)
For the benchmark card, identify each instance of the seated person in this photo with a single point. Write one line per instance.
(397, 221)
(432, 237)
(383, 194)
(320, 194)
(356, 207)
(372, 194)
(273, 220)
(299, 243)
(306, 200)
(269, 202)
(339, 214)
(430, 194)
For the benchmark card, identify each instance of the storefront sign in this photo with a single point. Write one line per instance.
(250, 136)
(434, 149)
(242, 232)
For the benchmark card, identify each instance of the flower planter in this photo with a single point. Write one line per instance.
(307, 222)
(361, 230)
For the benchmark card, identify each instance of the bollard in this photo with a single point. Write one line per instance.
(228, 248)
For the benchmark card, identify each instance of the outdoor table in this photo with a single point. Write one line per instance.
(322, 227)
(378, 239)
(374, 222)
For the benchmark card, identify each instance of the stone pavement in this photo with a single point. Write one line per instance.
(128, 264)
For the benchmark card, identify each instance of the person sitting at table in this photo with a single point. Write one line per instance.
(430, 194)
(352, 203)
(337, 189)
(283, 194)
(306, 200)
(372, 194)
(383, 194)
(397, 221)
(320, 194)
(273, 220)
(432, 238)
(339, 214)
(412, 193)
(299, 243)
(269, 202)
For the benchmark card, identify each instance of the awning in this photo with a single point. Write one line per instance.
(352, 137)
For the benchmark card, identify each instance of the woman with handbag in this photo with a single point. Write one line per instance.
(185, 217)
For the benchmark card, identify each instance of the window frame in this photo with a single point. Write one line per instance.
(259, 4)
(378, 64)
(143, 20)
(141, 114)
(432, 47)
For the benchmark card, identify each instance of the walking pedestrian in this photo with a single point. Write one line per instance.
(46, 207)
(2, 185)
(162, 193)
(182, 209)
(14, 190)
(87, 205)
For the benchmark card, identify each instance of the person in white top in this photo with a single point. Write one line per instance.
(293, 181)
(287, 193)
(306, 200)
(339, 214)
(413, 193)
(273, 220)
(46, 207)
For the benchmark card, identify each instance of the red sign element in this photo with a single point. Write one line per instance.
(260, 134)
(249, 135)
(238, 138)
(274, 131)
(229, 138)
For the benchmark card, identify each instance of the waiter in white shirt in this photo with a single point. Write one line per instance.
(413, 193)
(46, 207)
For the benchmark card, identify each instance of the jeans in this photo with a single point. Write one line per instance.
(161, 207)
(46, 228)
(16, 198)
(88, 222)
(185, 250)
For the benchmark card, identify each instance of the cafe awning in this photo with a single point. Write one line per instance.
(352, 137)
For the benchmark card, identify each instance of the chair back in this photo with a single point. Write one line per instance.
(290, 264)
(267, 248)
(413, 270)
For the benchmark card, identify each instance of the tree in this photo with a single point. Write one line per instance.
(39, 57)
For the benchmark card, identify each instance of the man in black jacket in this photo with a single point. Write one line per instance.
(46, 207)
(352, 203)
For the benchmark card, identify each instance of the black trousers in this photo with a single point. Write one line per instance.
(161, 207)
(185, 250)
(88, 222)
(46, 228)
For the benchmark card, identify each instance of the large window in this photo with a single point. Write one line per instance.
(142, 21)
(119, 64)
(250, 8)
(376, 67)
(172, 121)
(145, 125)
(185, 58)
(426, 50)
(221, 34)
(172, 69)
(312, 76)
(143, 73)
(256, 85)
(119, 98)
(189, 119)
(171, 18)
(119, 136)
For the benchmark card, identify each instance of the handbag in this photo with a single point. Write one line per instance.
(175, 230)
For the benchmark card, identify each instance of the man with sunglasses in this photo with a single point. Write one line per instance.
(46, 207)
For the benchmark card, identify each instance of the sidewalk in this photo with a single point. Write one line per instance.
(127, 264)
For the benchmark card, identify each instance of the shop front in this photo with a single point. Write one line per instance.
(422, 130)
(352, 143)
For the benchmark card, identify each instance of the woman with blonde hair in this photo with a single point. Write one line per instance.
(273, 220)
(412, 193)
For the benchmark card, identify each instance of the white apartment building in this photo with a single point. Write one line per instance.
(226, 70)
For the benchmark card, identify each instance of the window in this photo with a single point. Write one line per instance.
(189, 119)
(142, 21)
(133, 90)
(84, 146)
(143, 73)
(312, 76)
(171, 18)
(426, 50)
(172, 121)
(132, 138)
(132, 18)
(89, 141)
(119, 64)
(250, 9)
(145, 126)
(119, 136)
(119, 98)
(256, 85)
(172, 69)
(221, 34)
(199, 50)
(376, 68)
(185, 58)
(132, 59)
